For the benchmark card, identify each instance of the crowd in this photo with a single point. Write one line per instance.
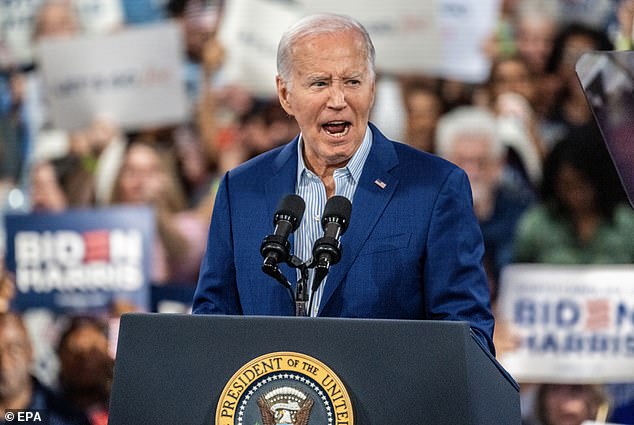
(543, 184)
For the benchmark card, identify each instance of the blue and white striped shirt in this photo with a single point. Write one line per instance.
(310, 187)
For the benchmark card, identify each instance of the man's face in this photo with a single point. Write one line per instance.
(330, 95)
(472, 153)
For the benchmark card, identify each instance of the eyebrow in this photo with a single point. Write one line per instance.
(320, 77)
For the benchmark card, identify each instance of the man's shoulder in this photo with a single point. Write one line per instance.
(412, 161)
(409, 157)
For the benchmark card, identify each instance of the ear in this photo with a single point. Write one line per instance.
(373, 92)
(283, 95)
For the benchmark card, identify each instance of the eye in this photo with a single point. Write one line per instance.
(318, 84)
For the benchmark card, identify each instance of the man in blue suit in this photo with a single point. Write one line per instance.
(413, 248)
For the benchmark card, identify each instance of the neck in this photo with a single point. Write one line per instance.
(325, 172)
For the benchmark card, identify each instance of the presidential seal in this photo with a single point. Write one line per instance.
(284, 388)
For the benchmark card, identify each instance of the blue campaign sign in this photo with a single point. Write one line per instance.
(81, 260)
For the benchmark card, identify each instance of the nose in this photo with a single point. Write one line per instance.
(336, 96)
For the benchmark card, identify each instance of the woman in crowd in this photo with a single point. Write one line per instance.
(147, 177)
(582, 217)
(86, 367)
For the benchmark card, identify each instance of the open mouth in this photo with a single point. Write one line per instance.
(337, 128)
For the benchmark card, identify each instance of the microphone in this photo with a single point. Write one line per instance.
(276, 248)
(327, 249)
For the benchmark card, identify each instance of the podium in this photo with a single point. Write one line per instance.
(175, 369)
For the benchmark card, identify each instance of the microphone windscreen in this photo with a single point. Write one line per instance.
(292, 205)
(339, 208)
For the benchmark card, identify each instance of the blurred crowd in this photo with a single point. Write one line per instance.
(544, 187)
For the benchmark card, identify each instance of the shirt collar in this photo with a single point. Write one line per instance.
(354, 166)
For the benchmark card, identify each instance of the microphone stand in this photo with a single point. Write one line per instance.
(301, 294)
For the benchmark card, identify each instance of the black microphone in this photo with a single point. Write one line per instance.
(276, 248)
(327, 249)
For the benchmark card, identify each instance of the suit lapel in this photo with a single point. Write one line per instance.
(282, 180)
(375, 189)
(280, 184)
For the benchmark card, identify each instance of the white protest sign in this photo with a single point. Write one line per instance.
(251, 30)
(406, 34)
(442, 37)
(466, 26)
(132, 77)
(572, 324)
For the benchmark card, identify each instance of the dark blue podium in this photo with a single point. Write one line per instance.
(172, 369)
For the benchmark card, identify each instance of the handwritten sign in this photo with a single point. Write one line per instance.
(132, 77)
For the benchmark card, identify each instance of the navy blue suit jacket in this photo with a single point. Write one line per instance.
(413, 248)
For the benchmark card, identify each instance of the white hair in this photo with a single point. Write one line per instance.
(326, 23)
(467, 120)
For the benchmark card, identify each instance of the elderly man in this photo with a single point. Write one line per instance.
(412, 249)
(469, 137)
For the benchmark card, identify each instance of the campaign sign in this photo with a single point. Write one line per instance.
(568, 323)
(81, 260)
(132, 77)
(406, 35)
(252, 29)
(444, 38)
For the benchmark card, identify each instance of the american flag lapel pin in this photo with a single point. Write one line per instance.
(380, 183)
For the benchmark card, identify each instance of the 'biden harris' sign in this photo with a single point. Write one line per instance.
(82, 260)
(567, 323)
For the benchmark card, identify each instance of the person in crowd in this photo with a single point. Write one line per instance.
(511, 74)
(625, 31)
(47, 194)
(536, 25)
(86, 367)
(511, 96)
(571, 109)
(18, 388)
(423, 106)
(198, 20)
(413, 248)
(582, 217)
(570, 404)
(98, 148)
(12, 154)
(59, 184)
(147, 177)
(468, 136)
(31, 123)
(7, 287)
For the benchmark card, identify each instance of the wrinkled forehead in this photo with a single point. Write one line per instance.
(314, 39)
(341, 50)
